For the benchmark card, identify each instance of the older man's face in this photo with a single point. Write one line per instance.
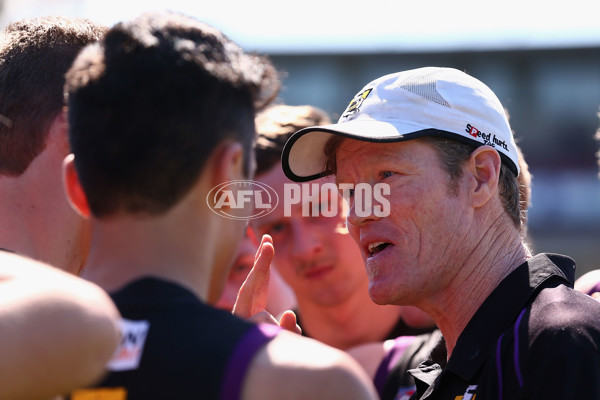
(416, 250)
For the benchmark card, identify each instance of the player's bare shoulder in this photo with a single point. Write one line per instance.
(294, 367)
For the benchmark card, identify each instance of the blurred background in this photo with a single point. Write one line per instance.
(541, 59)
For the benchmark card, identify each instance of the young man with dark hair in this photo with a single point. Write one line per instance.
(35, 217)
(160, 112)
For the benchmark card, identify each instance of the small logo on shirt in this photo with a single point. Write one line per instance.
(404, 393)
(469, 393)
(129, 352)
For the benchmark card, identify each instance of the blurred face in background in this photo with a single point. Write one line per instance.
(244, 260)
(280, 297)
(315, 255)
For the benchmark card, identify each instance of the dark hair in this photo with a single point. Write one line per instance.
(150, 103)
(35, 53)
(276, 124)
(453, 154)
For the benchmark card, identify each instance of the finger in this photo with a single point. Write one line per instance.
(288, 321)
(263, 317)
(253, 294)
(264, 254)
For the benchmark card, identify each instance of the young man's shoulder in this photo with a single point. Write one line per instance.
(281, 364)
(175, 346)
(173, 310)
(294, 367)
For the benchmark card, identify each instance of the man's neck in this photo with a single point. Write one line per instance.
(126, 249)
(486, 267)
(25, 226)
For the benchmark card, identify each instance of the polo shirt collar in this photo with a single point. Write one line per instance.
(514, 293)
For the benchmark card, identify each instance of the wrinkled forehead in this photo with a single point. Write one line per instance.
(353, 158)
(339, 149)
(349, 155)
(346, 150)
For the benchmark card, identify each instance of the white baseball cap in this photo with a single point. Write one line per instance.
(430, 101)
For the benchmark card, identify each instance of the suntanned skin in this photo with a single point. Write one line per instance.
(280, 297)
(321, 364)
(186, 245)
(431, 232)
(36, 219)
(57, 331)
(321, 263)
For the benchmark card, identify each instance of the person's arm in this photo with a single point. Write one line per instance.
(294, 367)
(291, 366)
(57, 331)
(370, 355)
(387, 362)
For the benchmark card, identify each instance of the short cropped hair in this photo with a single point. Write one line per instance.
(454, 154)
(150, 103)
(35, 53)
(276, 124)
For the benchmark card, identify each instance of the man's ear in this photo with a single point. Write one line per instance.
(230, 162)
(73, 188)
(58, 134)
(484, 165)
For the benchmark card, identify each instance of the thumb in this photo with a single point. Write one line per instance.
(288, 321)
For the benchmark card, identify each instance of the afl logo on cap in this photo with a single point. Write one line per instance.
(355, 104)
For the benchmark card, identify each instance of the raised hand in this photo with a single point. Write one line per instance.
(251, 301)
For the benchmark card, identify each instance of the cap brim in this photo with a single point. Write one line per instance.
(303, 157)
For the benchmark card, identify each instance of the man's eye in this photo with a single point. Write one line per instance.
(386, 174)
(277, 228)
(242, 269)
(239, 272)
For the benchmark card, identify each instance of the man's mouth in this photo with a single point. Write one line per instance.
(377, 247)
(318, 271)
